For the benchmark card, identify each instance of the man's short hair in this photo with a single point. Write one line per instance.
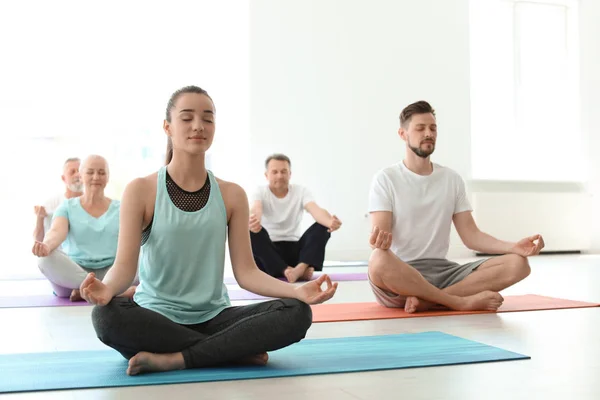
(420, 107)
(71, 159)
(278, 157)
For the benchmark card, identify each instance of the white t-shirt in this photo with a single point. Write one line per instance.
(422, 208)
(282, 217)
(51, 204)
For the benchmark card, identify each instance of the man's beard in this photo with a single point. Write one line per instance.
(76, 187)
(422, 153)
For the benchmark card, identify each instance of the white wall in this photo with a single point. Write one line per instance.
(328, 80)
(97, 79)
(590, 95)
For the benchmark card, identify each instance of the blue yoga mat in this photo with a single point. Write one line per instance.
(97, 369)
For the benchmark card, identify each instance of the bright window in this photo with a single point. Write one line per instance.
(80, 77)
(524, 91)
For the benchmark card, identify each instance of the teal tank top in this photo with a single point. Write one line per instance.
(182, 263)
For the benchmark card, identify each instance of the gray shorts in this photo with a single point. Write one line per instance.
(440, 273)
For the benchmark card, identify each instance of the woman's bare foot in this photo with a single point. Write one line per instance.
(259, 359)
(484, 301)
(75, 295)
(292, 274)
(308, 274)
(153, 362)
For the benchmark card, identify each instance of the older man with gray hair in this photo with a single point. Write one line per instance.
(73, 188)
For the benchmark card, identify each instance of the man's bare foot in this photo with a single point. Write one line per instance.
(484, 301)
(292, 274)
(75, 295)
(153, 362)
(308, 274)
(414, 304)
(258, 359)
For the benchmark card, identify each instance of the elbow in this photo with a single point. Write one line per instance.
(471, 246)
(470, 241)
(242, 281)
(243, 276)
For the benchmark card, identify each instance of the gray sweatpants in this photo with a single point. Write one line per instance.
(64, 274)
(235, 333)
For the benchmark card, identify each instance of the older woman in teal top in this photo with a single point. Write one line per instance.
(183, 216)
(89, 226)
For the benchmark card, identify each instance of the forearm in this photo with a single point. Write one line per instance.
(322, 217)
(53, 239)
(119, 278)
(38, 232)
(256, 210)
(484, 243)
(256, 281)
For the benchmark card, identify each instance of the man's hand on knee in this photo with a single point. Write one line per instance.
(254, 224)
(335, 224)
(380, 239)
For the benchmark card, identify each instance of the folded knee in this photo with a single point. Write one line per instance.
(379, 262)
(300, 316)
(45, 263)
(519, 266)
(320, 230)
(53, 261)
(103, 318)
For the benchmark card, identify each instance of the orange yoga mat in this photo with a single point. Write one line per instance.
(367, 311)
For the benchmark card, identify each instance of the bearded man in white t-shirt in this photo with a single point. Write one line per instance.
(412, 205)
(275, 216)
(73, 188)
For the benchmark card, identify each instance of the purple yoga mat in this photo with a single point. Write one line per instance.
(335, 276)
(50, 300)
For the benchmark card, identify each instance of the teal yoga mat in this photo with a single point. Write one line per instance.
(97, 369)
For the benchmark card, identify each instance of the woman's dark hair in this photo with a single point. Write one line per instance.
(171, 104)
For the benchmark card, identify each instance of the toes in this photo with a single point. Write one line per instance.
(411, 305)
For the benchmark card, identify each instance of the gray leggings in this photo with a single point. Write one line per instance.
(235, 333)
(64, 274)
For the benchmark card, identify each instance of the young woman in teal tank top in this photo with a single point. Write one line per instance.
(181, 316)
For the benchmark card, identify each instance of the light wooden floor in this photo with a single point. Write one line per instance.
(564, 346)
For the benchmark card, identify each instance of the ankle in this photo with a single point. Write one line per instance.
(461, 303)
(177, 361)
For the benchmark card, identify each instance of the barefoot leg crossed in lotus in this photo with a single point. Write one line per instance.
(182, 216)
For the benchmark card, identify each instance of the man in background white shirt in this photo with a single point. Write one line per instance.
(73, 188)
(275, 217)
(413, 205)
